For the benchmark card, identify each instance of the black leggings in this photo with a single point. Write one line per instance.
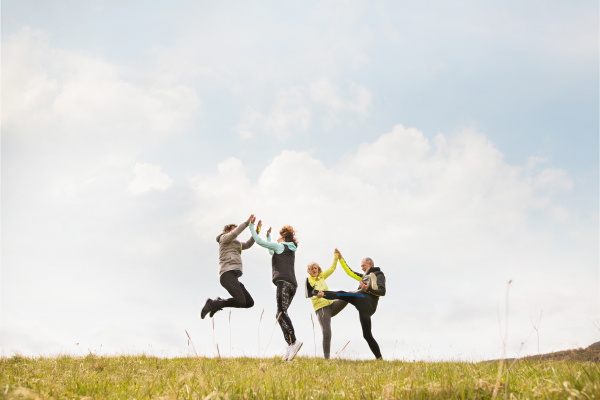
(365, 310)
(240, 298)
(285, 295)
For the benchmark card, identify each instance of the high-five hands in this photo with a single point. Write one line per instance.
(338, 253)
(252, 219)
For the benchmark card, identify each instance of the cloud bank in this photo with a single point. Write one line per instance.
(103, 248)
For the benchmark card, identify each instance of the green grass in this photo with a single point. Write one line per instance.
(140, 377)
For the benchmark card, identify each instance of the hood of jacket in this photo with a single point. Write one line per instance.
(291, 245)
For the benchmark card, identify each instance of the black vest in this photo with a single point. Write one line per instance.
(283, 266)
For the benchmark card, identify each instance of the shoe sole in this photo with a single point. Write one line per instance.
(202, 317)
(293, 355)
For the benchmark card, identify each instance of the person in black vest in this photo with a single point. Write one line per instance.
(283, 258)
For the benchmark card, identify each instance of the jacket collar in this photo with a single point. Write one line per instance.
(372, 269)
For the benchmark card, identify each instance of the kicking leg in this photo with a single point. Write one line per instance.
(337, 307)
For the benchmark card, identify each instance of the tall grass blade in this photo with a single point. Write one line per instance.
(259, 321)
(190, 341)
(276, 321)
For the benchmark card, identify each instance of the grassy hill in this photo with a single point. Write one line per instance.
(143, 377)
(591, 353)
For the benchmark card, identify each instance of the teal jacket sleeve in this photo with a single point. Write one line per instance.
(276, 247)
(269, 240)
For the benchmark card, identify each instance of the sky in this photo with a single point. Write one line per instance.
(456, 144)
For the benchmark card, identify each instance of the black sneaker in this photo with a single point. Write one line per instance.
(206, 309)
(214, 311)
(309, 290)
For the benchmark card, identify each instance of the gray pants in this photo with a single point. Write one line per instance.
(324, 315)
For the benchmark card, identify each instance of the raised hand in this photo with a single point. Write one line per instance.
(259, 224)
(269, 231)
(338, 252)
(252, 219)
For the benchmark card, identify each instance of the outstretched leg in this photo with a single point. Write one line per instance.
(285, 295)
(338, 306)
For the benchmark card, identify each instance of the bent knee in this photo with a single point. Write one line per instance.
(249, 304)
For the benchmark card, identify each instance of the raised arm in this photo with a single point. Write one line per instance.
(276, 247)
(250, 242)
(271, 252)
(351, 274)
(329, 271)
(228, 237)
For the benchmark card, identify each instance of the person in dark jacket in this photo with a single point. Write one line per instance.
(231, 269)
(371, 286)
(282, 263)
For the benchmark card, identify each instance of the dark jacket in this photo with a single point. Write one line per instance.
(376, 279)
(283, 266)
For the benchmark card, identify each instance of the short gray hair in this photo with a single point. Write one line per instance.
(369, 261)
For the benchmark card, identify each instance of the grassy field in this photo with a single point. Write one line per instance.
(141, 377)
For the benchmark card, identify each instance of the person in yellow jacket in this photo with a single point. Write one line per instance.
(325, 309)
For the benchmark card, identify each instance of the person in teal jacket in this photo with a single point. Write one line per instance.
(283, 257)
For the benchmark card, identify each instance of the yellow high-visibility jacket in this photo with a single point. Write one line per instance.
(319, 284)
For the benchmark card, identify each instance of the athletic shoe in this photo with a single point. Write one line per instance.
(288, 350)
(214, 311)
(206, 309)
(309, 290)
(295, 349)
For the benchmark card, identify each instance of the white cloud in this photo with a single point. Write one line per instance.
(447, 219)
(554, 179)
(149, 177)
(357, 101)
(288, 115)
(294, 108)
(53, 96)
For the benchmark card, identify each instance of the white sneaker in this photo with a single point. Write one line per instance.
(288, 350)
(295, 348)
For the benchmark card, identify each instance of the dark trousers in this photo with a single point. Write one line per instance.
(285, 295)
(240, 298)
(365, 311)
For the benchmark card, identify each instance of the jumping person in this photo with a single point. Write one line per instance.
(282, 262)
(325, 309)
(365, 299)
(231, 269)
